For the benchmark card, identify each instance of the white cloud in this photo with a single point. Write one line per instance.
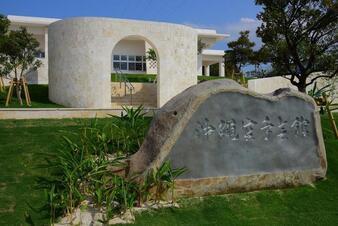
(247, 20)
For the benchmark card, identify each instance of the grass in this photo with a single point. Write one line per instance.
(146, 78)
(22, 147)
(39, 98)
(24, 142)
(207, 78)
(142, 78)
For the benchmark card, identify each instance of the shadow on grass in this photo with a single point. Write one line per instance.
(38, 95)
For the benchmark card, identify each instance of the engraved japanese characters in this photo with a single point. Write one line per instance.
(232, 139)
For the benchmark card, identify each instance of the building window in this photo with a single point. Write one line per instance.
(116, 57)
(131, 67)
(129, 63)
(124, 66)
(40, 54)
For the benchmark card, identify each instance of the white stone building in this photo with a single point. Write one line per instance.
(79, 55)
(129, 54)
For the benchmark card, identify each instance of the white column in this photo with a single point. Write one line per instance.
(43, 72)
(207, 70)
(221, 69)
(199, 64)
(46, 44)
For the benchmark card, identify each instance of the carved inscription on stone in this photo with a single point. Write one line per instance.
(271, 129)
(236, 134)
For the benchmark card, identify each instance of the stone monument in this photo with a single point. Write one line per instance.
(231, 139)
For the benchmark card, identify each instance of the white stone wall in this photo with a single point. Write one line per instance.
(80, 52)
(268, 85)
(130, 47)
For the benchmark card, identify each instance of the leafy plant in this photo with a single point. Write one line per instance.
(301, 37)
(325, 98)
(129, 130)
(160, 180)
(151, 55)
(87, 166)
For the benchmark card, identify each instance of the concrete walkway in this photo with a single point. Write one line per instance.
(59, 113)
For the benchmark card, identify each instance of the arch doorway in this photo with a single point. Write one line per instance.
(134, 73)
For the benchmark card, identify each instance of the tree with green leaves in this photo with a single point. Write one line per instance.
(19, 49)
(4, 25)
(240, 51)
(258, 57)
(302, 37)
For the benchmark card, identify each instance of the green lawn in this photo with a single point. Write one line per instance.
(150, 78)
(22, 148)
(142, 78)
(207, 78)
(39, 98)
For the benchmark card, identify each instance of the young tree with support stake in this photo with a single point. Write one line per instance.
(19, 49)
(302, 37)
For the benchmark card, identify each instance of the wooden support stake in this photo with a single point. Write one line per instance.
(2, 84)
(15, 84)
(10, 91)
(331, 118)
(25, 88)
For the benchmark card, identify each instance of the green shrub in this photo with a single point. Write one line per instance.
(129, 130)
(86, 165)
(161, 180)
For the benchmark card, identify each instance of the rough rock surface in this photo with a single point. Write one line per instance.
(232, 139)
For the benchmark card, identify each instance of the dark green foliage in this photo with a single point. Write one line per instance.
(4, 25)
(151, 55)
(261, 56)
(129, 130)
(240, 52)
(301, 36)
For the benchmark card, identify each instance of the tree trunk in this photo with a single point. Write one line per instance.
(18, 93)
(301, 89)
(302, 85)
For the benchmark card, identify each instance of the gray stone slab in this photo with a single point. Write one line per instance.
(233, 139)
(235, 134)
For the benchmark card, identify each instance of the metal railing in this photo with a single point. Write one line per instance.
(122, 78)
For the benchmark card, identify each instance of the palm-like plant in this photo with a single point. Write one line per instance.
(161, 180)
(325, 98)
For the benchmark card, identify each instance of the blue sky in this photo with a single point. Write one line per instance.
(226, 16)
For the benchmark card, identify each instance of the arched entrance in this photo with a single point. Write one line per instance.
(134, 72)
(80, 51)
